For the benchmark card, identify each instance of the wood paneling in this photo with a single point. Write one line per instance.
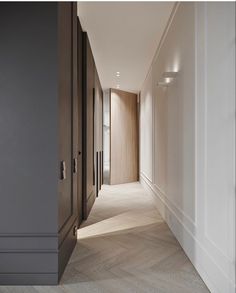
(124, 137)
(68, 122)
(65, 105)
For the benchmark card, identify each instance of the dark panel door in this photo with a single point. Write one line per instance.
(88, 128)
(68, 121)
(75, 110)
(65, 106)
(80, 129)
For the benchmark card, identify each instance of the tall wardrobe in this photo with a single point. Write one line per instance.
(39, 150)
(50, 104)
(92, 128)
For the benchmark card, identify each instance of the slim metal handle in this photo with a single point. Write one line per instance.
(62, 170)
(74, 230)
(75, 165)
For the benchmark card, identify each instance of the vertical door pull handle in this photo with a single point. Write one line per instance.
(75, 165)
(74, 230)
(62, 170)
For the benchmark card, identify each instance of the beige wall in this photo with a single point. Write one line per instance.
(124, 137)
(98, 130)
(190, 166)
(146, 138)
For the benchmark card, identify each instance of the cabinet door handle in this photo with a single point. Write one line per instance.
(62, 170)
(74, 230)
(75, 165)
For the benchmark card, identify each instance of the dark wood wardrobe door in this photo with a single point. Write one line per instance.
(75, 149)
(68, 150)
(80, 129)
(88, 128)
(65, 106)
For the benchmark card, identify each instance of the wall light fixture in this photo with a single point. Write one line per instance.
(167, 78)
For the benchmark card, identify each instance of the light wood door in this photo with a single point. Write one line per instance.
(124, 137)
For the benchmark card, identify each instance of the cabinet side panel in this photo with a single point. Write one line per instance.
(29, 143)
(28, 115)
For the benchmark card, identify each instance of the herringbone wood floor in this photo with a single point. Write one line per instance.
(125, 246)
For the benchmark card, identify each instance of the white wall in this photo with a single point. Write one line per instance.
(146, 138)
(188, 137)
(106, 129)
(106, 136)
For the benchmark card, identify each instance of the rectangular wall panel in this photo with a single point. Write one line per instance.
(220, 105)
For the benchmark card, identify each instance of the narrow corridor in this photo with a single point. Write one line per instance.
(125, 246)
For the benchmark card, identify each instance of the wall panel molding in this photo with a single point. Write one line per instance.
(197, 196)
(146, 176)
(214, 276)
(202, 138)
(31, 242)
(173, 206)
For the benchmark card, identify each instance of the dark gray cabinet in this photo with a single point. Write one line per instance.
(39, 141)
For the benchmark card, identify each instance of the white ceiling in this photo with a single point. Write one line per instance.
(124, 37)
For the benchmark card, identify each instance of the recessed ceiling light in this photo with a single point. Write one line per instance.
(118, 73)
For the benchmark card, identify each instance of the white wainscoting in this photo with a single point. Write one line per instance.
(205, 224)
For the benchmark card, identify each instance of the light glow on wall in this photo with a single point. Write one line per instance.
(167, 78)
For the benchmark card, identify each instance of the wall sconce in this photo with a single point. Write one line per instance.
(167, 78)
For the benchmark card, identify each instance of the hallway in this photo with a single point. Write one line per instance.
(96, 94)
(125, 246)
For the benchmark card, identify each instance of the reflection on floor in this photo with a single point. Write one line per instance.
(125, 246)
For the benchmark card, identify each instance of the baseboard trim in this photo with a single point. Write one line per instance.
(35, 260)
(28, 267)
(29, 279)
(210, 272)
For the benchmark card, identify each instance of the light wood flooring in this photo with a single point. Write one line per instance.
(124, 246)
